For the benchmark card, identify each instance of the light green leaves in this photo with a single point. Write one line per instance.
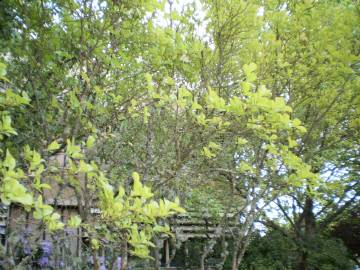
(85, 167)
(35, 161)
(249, 70)
(162, 229)
(201, 119)
(74, 101)
(41, 210)
(207, 152)
(74, 222)
(236, 106)
(296, 123)
(149, 82)
(136, 177)
(127, 212)
(214, 146)
(12, 99)
(184, 98)
(53, 222)
(245, 167)
(214, 101)
(184, 93)
(139, 238)
(146, 114)
(90, 141)
(211, 150)
(241, 141)
(196, 106)
(95, 244)
(168, 208)
(53, 146)
(292, 143)
(46, 213)
(138, 189)
(74, 151)
(170, 81)
(2, 70)
(9, 161)
(13, 191)
(5, 126)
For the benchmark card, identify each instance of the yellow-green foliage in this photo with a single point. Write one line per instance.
(136, 215)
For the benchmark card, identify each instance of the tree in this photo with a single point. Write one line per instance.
(262, 110)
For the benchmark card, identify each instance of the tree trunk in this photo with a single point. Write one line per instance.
(95, 260)
(186, 251)
(157, 263)
(157, 258)
(224, 253)
(206, 251)
(303, 261)
(234, 264)
(309, 220)
(124, 256)
(167, 252)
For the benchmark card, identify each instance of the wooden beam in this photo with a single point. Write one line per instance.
(167, 253)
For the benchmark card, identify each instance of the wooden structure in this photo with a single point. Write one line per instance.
(194, 226)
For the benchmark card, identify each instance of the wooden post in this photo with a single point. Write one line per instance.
(186, 251)
(167, 253)
(124, 257)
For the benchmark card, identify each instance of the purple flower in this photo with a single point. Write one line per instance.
(101, 259)
(26, 232)
(118, 263)
(46, 247)
(102, 262)
(27, 250)
(43, 261)
(61, 264)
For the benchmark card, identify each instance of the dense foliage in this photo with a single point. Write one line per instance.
(244, 112)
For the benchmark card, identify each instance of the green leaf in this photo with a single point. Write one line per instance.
(169, 81)
(146, 114)
(2, 70)
(9, 161)
(5, 126)
(53, 222)
(24, 199)
(95, 244)
(214, 101)
(41, 210)
(138, 189)
(184, 93)
(292, 143)
(245, 167)
(36, 160)
(85, 167)
(196, 106)
(241, 141)
(53, 146)
(207, 153)
(73, 150)
(136, 177)
(249, 71)
(74, 222)
(90, 141)
(214, 146)
(13, 191)
(149, 80)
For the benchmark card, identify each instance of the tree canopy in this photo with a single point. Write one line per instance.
(244, 112)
